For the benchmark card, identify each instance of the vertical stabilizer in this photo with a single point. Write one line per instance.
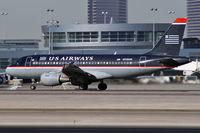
(170, 42)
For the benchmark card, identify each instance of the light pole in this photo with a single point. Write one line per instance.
(49, 25)
(171, 12)
(154, 10)
(3, 14)
(104, 16)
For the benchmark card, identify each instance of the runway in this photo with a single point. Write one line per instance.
(155, 105)
(101, 118)
(96, 130)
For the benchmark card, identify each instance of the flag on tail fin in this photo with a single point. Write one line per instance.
(170, 42)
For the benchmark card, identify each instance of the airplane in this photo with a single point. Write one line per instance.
(82, 70)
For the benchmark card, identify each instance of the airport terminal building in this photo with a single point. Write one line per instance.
(13, 49)
(103, 36)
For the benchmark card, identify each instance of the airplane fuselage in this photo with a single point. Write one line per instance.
(119, 66)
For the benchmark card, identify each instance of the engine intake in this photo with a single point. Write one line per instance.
(53, 79)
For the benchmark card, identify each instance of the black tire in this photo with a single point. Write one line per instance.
(33, 87)
(102, 86)
(84, 87)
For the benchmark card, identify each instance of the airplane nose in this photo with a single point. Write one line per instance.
(8, 70)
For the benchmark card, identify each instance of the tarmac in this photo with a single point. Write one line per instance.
(126, 105)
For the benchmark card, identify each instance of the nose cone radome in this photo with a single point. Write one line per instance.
(7, 70)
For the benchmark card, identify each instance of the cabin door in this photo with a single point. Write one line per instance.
(142, 61)
(28, 61)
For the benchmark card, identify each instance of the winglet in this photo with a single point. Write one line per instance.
(180, 21)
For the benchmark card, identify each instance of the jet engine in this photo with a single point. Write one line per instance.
(53, 79)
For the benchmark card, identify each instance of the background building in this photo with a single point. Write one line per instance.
(102, 10)
(103, 36)
(12, 49)
(193, 15)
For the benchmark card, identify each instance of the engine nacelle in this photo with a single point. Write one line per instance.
(53, 79)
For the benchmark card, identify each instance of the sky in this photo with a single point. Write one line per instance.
(25, 17)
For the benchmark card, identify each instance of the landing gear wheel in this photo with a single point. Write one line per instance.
(84, 87)
(33, 87)
(102, 86)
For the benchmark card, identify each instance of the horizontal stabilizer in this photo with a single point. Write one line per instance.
(169, 62)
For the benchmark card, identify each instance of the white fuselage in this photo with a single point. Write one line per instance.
(116, 71)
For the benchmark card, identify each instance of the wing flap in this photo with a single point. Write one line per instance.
(99, 75)
(71, 70)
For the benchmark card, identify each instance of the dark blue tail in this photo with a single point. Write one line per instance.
(171, 41)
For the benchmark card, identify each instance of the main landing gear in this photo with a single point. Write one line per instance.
(84, 87)
(102, 86)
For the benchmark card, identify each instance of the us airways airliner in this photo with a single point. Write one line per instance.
(82, 70)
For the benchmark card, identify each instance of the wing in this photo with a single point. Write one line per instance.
(71, 70)
(100, 75)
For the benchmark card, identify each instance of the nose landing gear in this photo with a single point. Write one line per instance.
(33, 85)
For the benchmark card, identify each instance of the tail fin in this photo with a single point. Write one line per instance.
(170, 42)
